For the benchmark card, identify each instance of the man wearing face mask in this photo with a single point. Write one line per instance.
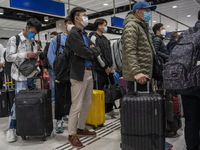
(62, 90)
(138, 51)
(158, 43)
(103, 71)
(83, 53)
(27, 49)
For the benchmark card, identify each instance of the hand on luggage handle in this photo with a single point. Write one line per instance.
(148, 87)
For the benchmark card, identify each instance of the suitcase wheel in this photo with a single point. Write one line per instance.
(23, 137)
(44, 138)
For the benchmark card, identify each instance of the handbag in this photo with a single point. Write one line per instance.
(29, 66)
(113, 92)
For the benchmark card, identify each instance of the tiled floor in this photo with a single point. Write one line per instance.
(108, 138)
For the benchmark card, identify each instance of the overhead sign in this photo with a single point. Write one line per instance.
(44, 6)
(117, 22)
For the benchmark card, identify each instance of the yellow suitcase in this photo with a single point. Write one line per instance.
(96, 115)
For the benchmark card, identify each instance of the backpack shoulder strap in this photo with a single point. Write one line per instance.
(17, 40)
(58, 42)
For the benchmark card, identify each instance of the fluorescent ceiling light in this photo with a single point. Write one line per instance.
(188, 16)
(106, 4)
(154, 21)
(168, 26)
(1, 11)
(174, 6)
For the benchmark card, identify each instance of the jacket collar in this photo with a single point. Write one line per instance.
(79, 30)
(160, 36)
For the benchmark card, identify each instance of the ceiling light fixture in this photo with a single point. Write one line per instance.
(174, 6)
(188, 16)
(46, 18)
(168, 26)
(1, 11)
(154, 21)
(106, 4)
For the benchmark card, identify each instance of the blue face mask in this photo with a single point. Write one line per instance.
(105, 29)
(30, 35)
(147, 16)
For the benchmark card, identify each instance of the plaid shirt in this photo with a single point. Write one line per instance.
(19, 57)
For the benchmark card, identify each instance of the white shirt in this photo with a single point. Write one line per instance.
(19, 57)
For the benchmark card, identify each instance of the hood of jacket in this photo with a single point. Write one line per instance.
(197, 25)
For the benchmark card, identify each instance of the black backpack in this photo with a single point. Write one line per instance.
(8, 65)
(62, 63)
(182, 71)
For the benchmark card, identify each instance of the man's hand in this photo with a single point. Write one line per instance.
(1, 65)
(92, 46)
(141, 78)
(45, 71)
(32, 55)
(108, 70)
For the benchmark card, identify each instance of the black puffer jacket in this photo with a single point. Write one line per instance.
(160, 48)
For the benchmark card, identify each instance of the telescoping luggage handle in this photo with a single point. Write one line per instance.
(148, 88)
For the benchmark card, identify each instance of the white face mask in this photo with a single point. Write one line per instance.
(163, 32)
(85, 21)
(69, 27)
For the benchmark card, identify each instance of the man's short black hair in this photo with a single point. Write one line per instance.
(67, 19)
(33, 22)
(98, 22)
(75, 12)
(54, 33)
(156, 27)
(199, 15)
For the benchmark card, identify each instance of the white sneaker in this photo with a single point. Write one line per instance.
(11, 135)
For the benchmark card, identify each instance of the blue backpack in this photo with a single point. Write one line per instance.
(182, 72)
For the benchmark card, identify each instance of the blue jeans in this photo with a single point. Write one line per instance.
(31, 83)
(52, 84)
(19, 85)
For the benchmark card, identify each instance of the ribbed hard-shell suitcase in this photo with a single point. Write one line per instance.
(34, 113)
(142, 121)
(96, 115)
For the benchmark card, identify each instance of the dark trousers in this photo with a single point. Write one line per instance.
(62, 99)
(1, 80)
(102, 80)
(191, 108)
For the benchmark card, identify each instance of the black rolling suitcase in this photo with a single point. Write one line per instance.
(4, 100)
(9, 84)
(3, 103)
(142, 121)
(34, 113)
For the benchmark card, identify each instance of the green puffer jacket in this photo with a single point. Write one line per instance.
(138, 49)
